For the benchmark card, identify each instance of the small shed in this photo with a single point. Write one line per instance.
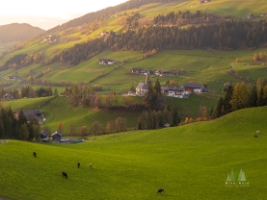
(44, 136)
(56, 136)
(167, 125)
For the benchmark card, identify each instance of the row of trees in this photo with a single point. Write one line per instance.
(229, 34)
(21, 60)
(242, 95)
(17, 127)
(158, 119)
(186, 17)
(261, 56)
(29, 92)
(113, 126)
(82, 95)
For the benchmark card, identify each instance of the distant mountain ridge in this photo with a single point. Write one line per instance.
(18, 32)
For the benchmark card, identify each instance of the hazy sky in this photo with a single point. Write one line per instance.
(49, 13)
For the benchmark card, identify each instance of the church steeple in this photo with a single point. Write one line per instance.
(147, 78)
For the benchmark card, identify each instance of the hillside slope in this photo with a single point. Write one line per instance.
(189, 162)
(59, 61)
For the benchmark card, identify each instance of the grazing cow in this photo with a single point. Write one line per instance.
(65, 175)
(161, 190)
(79, 165)
(34, 154)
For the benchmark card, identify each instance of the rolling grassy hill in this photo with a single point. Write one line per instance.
(206, 67)
(58, 109)
(189, 162)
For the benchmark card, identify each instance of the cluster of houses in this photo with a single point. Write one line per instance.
(140, 71)
(44, 135)
(106, 61)
(51, 39)
(57, 137)
(204, 1)
(104, 34)
(172, 91)
(14, 77)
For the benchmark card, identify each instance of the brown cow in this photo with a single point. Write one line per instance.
(65, 175)
(34, 154)
(161, 190)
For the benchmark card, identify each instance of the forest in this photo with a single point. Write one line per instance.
(242, 95)
(17, 127)
(230, 34)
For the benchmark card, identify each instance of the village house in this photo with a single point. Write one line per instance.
(138, 71)
(104, 34)
(194, 87)
(56, 136)
(105, 61)
(204, 1)
(173, 91)
(183, 91)
(32, 115)
(7, 97)
(44, 136)
(250, 15)
(165, 73)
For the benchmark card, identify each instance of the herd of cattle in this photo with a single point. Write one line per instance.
(65, 175)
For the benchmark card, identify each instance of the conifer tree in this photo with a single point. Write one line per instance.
(23, 132)
(227, 99)
(219, 110)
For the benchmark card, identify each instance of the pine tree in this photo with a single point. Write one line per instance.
(260, 97)
(37, 130)
(157, 88)
(2, 131)
(30, 127)
(175, 118)
(21, 118)
(23, 132)
(218, 111)
(160, 119)
(55, 92)
(253, 97)
(227, 99)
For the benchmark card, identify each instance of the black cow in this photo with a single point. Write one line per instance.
(65, 175)
(34, 154)
(161, 190)
(79, 165)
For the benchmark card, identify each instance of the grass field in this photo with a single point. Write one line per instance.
(58, 109)
(189, 162)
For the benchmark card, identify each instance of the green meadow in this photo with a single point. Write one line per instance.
(190, 162)
(59, 109)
